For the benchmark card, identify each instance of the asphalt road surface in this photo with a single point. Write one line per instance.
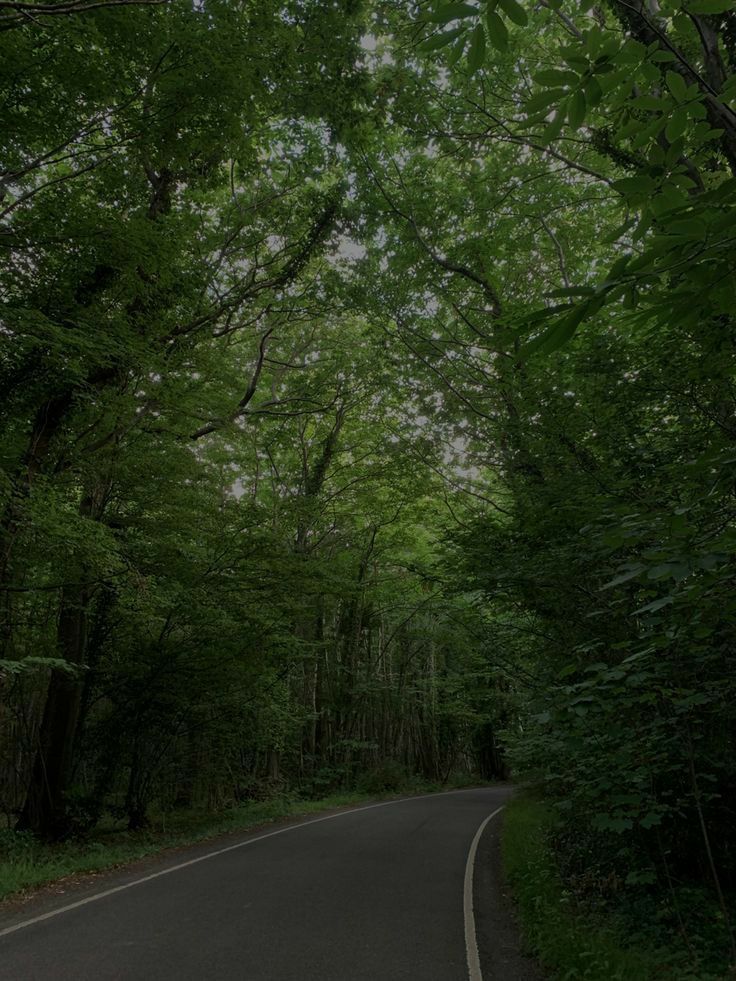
(376, 893)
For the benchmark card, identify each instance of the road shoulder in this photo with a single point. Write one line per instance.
(502, 954)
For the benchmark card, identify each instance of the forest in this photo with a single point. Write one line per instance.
(368, 415)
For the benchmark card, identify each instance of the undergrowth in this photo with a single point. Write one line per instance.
(628, 940)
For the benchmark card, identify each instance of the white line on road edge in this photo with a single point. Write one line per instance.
(221, 851)
(471, 941)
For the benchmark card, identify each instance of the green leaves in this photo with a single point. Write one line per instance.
(497, 32)
(613, 822)
(457, 52)
(477, 50)
(576, 109)
(677, 125)
(441, 40)
(635, 187)
(677, 85)
(557, 335)
(556, 76)
(451, 11)
(553, 129)
(542, 100)
(654, 606)
(514, 11)
(709, 6)
(633, 571)
(593, 91)
(694, 228)
(573, 109)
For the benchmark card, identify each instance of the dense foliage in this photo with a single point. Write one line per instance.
(368, 407)
(217, 573)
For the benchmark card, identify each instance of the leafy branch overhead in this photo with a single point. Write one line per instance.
(648, 90)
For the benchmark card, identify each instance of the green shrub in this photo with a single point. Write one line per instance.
(569, 940)
(389, 776)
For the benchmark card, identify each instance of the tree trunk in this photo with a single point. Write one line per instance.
(491, 762)
(45, 808)
(45, 811)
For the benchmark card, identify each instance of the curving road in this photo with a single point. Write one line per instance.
(376, 893)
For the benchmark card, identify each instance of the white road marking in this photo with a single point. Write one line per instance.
(222, 851)
(471, 942)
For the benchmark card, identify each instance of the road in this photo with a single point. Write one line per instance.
(376, 893)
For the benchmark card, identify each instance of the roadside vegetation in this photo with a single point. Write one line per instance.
(368, 404)
(27, 862)
(587, 930)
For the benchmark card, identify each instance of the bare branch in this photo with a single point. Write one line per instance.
(558, 249)
(250, 391)
(444, 263)
(21, 13)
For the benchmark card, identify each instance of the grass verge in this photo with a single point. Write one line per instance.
(26, 863)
